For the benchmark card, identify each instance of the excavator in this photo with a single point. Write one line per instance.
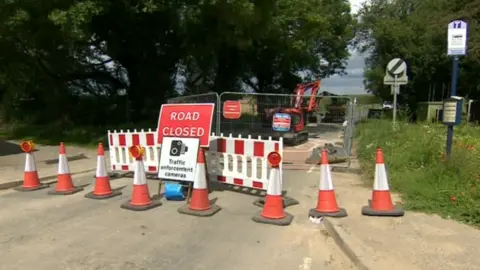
(295, 115)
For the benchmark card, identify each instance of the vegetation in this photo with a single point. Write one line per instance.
(417, 167)
(100, 63)
(416, 30)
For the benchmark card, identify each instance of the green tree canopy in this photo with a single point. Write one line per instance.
(79, 61)
(416, 30)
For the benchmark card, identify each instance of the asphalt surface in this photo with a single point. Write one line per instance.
(40, 231)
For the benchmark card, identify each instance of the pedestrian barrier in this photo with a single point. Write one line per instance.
(119, 143)
(231, 160)
(241, 161)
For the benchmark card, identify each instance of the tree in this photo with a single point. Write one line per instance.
(416, 30)
(127, 55)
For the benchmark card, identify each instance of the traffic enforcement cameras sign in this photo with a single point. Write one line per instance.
(186, 121)
(178, 159)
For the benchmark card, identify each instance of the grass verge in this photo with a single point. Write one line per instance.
(72, 135)
(417, 169)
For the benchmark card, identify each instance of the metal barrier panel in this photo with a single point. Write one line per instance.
(210, 97)
(119, 142)
(326, 119)
(241, 161)
(256, 111)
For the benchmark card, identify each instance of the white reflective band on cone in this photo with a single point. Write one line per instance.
(274, 186)
(381, 181)
(139, 177)
(325, 178)
(63, 165)
(30, 163)
(200, 180)
(101, 167)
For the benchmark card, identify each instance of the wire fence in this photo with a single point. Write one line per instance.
(265, 115)
(203, 98)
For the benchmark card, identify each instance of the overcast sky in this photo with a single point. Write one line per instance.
(353, 82)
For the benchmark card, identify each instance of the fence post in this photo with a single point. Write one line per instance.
(352, 127)
(219, 113)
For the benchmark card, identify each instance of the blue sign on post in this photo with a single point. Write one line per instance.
(457, 46)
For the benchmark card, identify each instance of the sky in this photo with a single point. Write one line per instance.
(352, 83)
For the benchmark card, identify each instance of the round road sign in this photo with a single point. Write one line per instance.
(396, 66)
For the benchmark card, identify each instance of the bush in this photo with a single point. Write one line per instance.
(417, 168)
(55, 133)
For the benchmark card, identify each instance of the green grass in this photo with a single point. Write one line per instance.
(72, 135)
(416, 167)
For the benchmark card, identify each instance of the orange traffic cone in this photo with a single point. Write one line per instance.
(64, 178)
(141, 199)
(102, 189)
(31, 181)
(199, 204)
(327, 203)
(273, 212)
(381, 203)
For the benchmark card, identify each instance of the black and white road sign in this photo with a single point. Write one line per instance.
(396, 67)
(396, 72)
(178, 159)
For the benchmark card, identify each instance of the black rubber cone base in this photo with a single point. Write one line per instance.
(206, 213)
(287, 220)
(73, 191)
(287, 201)
(114, 193)
(316, 214)
(22, 189)
(395, 212)
(128, 206)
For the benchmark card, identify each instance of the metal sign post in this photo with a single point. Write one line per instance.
(457, 46)
(394, 89)
(395, 75)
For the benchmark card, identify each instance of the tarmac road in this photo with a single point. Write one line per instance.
(45, 232)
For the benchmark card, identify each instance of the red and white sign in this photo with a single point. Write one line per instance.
(281, 122)
(186, 121)
(232, 109)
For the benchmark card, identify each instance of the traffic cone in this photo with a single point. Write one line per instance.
(199, 203)
(327, 203)
(31, 180)
(381, 203)
(141, 199)
(273, 212)
(102, 189)
(64, 178)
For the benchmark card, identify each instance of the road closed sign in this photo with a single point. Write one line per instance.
(186, 121)
(178, 159)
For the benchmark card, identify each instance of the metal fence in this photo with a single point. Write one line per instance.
(330, 115)
(211, 97)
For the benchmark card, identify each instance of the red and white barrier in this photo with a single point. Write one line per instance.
(231, 160)
(119, 142)
(241, 161)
